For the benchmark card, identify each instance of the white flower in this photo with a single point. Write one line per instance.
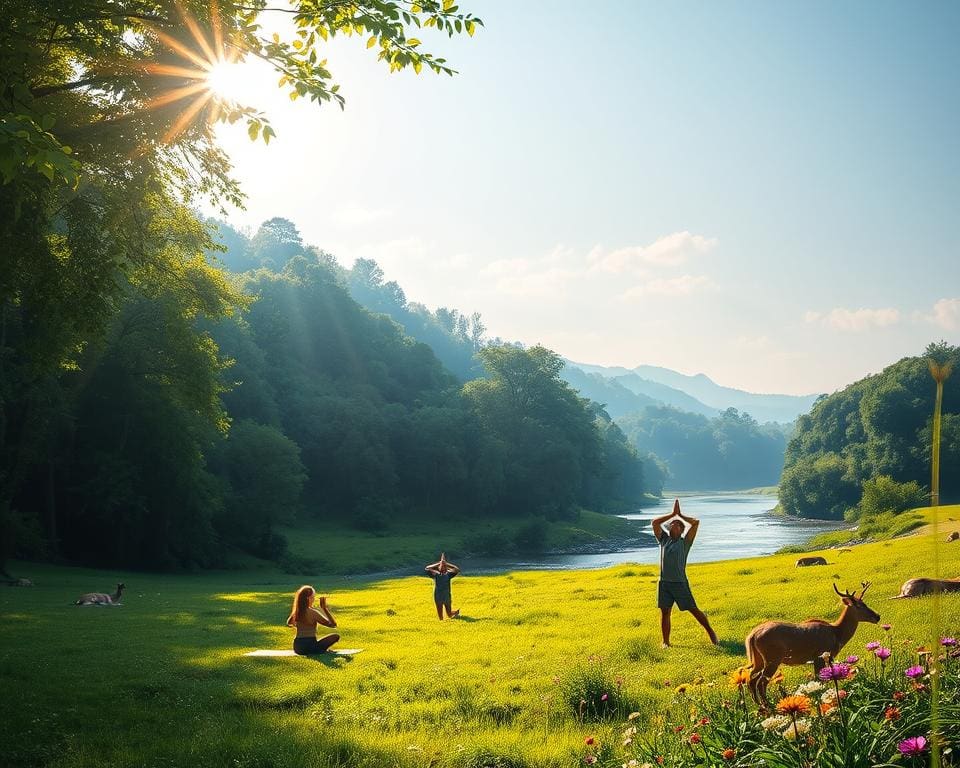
(812, 687)
(829, 696)
(775, 722)
(801, 728)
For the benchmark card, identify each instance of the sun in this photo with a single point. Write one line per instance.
(229, 80)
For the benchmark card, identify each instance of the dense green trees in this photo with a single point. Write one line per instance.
(871, 441)
(730, 451)
(109, 387)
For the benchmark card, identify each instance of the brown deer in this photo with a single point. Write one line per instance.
(781, 642)
(816, 560)
(924, 586)
(102, 598)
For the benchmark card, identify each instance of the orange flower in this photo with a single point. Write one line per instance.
(729, 753)
(892, 713)
(794, 705)
(740, 678)
(826, 706)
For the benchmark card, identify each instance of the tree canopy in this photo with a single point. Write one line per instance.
(877, 427)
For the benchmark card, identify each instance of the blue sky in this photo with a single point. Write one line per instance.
(763, 192)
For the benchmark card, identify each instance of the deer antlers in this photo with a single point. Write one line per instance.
(853, 595)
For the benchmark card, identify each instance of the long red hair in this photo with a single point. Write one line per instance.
(300, 600)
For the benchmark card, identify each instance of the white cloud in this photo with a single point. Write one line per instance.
(668, 251)
(683, 285)
(855, 319)
(946, 314)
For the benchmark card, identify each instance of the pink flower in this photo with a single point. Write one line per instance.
(882, 653)
(851, 659)
(948, 642)
(885, 627)
(872, 646)
(604, 697)
(915, 745)
(835, 672)
(913, 672)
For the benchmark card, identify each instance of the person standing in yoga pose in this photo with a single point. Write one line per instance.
(306, 618)
(441, 572)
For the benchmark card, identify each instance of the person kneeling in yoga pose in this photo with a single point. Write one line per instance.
(306, 618)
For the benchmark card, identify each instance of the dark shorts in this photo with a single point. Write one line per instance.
(306, 646)
(442, 598)
(670, 592)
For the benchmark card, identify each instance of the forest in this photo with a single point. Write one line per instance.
(866, 449)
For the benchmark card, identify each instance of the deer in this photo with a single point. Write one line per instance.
(954, 536)
(816, 560)
(781, 642)
(925, 586)
(102, 598)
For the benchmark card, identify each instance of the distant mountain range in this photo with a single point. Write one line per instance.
(627, 391)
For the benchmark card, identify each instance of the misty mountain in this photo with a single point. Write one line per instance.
(712, 396)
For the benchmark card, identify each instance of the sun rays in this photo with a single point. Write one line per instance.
(208, 73)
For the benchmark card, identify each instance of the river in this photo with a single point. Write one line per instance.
(732, 525)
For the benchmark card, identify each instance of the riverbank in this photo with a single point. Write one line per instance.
(321, 547)
(912, 522)
(500, 687)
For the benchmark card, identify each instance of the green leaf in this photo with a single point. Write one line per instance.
(253, 130)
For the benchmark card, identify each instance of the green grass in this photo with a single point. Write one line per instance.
(161, 681)
(338, 550)
(878, 528)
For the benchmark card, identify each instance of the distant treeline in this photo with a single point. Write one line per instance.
(867, 448)
(727, 452)
(203, 411)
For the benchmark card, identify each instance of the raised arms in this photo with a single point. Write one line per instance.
(659, 521)
(323, 613)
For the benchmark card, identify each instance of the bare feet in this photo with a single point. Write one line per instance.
(455, 614)
(664, 645)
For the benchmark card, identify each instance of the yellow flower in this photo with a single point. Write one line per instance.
(794, 705)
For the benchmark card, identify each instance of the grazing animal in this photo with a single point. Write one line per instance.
(816, 560)
(781, 642)
(924, 586)
(102, 598)
(954, 535)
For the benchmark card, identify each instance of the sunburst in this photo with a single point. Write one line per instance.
(206, 73)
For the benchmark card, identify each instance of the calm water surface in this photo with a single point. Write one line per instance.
(731, 526)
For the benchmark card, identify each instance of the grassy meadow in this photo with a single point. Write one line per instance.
(161, 681)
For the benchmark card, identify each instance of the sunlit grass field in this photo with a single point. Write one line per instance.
(161, 681)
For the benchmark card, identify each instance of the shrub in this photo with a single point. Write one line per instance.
(531, 537)
(593, 694)
(489, 542)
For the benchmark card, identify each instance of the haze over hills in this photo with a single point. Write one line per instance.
(660, 383)
(629, 394)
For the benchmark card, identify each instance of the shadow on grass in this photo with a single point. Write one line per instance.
(331, 660)
(732, 647)
(472, 619)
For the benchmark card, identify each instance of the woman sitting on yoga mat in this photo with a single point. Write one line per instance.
(441, 572)
(305, 618)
